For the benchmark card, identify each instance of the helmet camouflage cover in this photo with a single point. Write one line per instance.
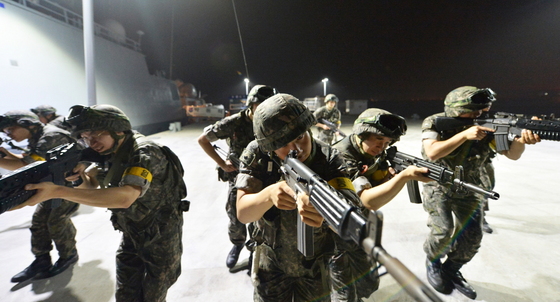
(279, 120)
(380, 122)
(331, 97)
(97, 117)
(467, 99)
(22, 118)
(43, 110)
(259, 93)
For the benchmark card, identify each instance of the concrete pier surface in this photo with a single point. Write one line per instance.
(519, 261)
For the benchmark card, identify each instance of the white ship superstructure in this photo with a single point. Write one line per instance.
(42, 62)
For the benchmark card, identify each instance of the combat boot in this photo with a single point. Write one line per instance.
(233, 255)
(38, 268)
(435, 277)
(486, 227)
(450, 270)
(62, 264)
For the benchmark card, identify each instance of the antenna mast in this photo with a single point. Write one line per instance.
(240, 39)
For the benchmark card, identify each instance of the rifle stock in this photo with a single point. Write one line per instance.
(400, 161)
(350, 225)
(506, 126)
(60, 160)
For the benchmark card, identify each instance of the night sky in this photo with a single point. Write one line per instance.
(368, 49)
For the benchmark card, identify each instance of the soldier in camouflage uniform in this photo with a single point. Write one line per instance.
(330, 113)
(470, 147)
(364, 152)
(47, 115)
(48, 223)
(142, 184)
(237, 130)
(280, 272)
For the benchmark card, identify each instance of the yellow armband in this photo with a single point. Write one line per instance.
(379, 175)
(36, 157)
(342, 183)
(493, 144)
(140, 172)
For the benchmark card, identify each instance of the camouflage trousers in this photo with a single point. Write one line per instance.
(352, 274)
(54, 224)
(326, 136)
(457, 237)
(237, 231)
(149, 261)
(273, 284)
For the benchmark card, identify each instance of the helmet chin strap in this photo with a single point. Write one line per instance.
(362, 151)
(116, 139)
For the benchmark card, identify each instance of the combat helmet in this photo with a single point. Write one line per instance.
(22, 118)
(331, 97)
(44, 110)
(279, 120)
(380, 122)
(97, 117)
(259, 93)
(467, 99)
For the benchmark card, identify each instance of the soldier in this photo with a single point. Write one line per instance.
(329, 113)
(376, 184)
(280, 272)
(49, 223)
(459, 239)
(47, 115)
(143, 186)
(237, 130)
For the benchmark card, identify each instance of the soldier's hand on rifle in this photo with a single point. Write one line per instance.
(76, 172)
(309, 215)
(416, 173)
(45, 191)
(476, 133)
(528, 137)
(282, 196)
(228, 166)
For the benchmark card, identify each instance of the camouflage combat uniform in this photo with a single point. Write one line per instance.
(51, 224)
(354, 276)
(332, 116)
(237, 130)
(59, 122)
(282, 272)
(149, 256)
(461, 244)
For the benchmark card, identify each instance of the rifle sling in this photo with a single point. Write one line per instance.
(116, 166)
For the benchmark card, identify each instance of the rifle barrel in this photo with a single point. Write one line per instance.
(411, 284)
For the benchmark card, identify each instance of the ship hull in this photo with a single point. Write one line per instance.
(42, 62)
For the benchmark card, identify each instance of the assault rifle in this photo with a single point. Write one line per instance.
(234, 160)
(60, 160)
(223, 175)
(506, 125)
(333, 126)
(443, 175)
(349, 224)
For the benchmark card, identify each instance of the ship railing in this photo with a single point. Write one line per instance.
(71, 18)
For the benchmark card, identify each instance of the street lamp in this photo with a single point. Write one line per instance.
(325, 80)
(246, 86)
